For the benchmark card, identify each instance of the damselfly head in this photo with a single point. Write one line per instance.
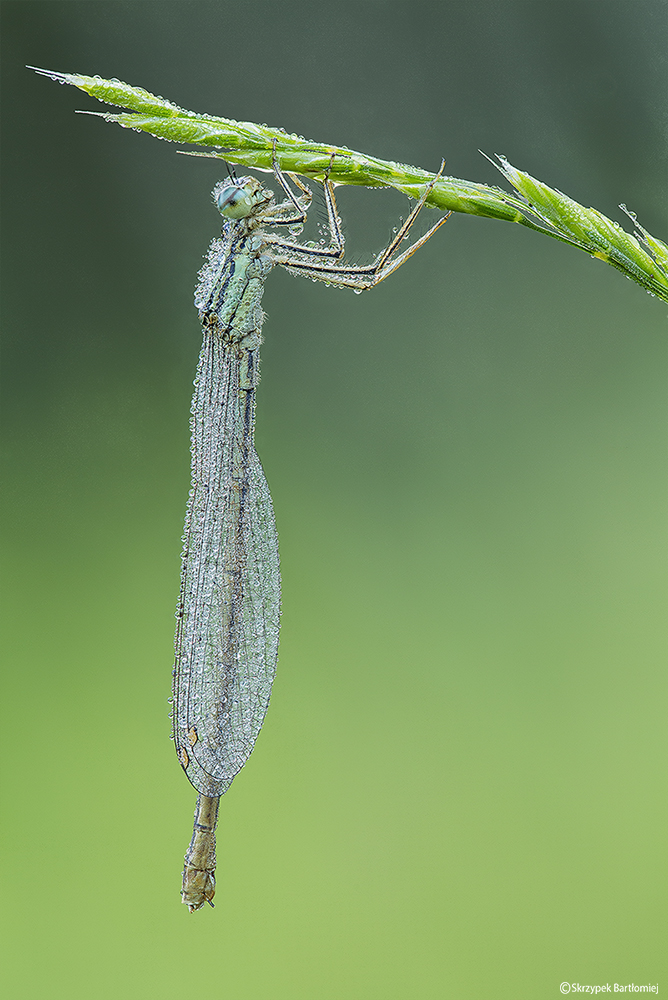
(238, 198)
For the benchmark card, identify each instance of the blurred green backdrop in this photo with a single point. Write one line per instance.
(460, 788)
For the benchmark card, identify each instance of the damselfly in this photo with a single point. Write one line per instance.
(228, 611)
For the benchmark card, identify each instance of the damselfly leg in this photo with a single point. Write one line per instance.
(299, 258)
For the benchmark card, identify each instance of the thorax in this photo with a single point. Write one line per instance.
(231, 285)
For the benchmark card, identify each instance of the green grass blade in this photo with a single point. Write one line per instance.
(644, 258)
(593, 232)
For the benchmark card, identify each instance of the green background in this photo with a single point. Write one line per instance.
(459, 791)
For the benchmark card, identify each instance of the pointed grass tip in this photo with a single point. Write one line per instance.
(52, 74)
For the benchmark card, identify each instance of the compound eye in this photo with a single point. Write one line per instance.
(233, 202)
